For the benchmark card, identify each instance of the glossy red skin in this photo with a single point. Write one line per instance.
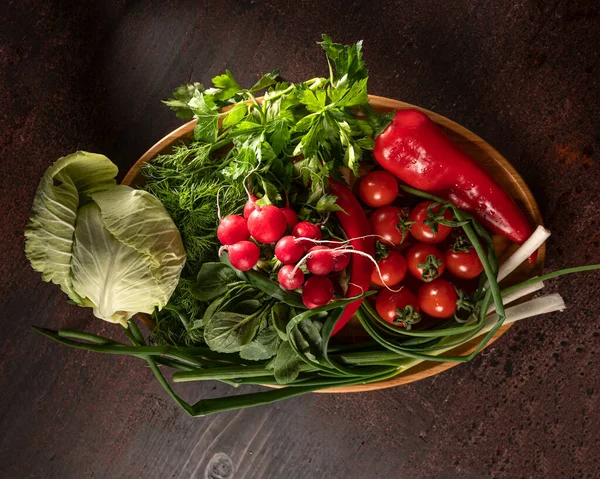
(250, 206)
(304, 229)
(355, 224)
(438, 298)
(290, 216)
(384, 224)
(288, 250)
(267, 224)
(416, 150)
(388, 302)
(317, 291)
(378, 188)
(320, 260)
(287, 280)
(393, 269)
(232, 228)
(243, 255)
(340, 261)
(418, 254)
(421, 231)
(465, 265)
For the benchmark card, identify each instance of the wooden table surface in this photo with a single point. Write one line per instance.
(90, 75)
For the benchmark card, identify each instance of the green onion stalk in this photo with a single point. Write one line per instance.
(391, 351)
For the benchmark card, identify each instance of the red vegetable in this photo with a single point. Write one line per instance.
(288, 250)
(414, 149)
(425, 261)
(421, 228)
(438, 298)
(287, 280)
(243, 255)
(463, 264)
(290, 216)
(355, 224)
(304, 229)
(232, 228)
(390, 225)
(320, 260)
(340, 261)
(378, 188)
(318, 291)
(267, 224)
(392, 268)
(398, 308)
(250, 206)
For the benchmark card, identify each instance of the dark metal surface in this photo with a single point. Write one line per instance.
(90, 75)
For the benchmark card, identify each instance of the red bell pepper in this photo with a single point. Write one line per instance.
(415, 149)
(355, 224)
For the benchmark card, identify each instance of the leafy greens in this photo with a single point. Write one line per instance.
(109, 247)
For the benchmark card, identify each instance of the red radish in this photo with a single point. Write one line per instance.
(290, 279)
(320, 260)
(250, 206)
(304, 229)
(243, 255)
(289, 250)
(290, 216)
(340, 261)
(318, 291)
(267, 224)
(232, 229)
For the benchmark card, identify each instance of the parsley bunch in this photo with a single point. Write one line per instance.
(298, 133)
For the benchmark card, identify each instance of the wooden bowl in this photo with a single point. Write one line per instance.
(483, 153)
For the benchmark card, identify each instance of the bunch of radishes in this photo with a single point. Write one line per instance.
(267, 225)
(320, 261)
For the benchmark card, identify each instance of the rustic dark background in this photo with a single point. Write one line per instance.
(90, 75)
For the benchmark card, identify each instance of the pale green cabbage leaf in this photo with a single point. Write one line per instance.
(108, 246)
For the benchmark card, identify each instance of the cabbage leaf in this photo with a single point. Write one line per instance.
(62, 190)
(108, 246)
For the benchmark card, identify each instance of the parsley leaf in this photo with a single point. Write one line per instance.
(226, 85)
(314, 101)
(348, 59)
(327, 203)
(207, 128)
(181, 96)
(265, 81)
(377, 121)
(279, 134)
(236, 114)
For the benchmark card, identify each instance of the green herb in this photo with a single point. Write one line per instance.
(264, 346)
(314, 121)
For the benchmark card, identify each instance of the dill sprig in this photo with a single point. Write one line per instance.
(187, 182)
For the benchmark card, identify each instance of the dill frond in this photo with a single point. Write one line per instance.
(187, 182)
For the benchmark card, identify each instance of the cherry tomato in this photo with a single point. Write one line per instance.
(392, 268)
(425, 262)
(378, 188)
(389, 224)
(438, 298)
(399, 309)
(463, 264)
(421, 228)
